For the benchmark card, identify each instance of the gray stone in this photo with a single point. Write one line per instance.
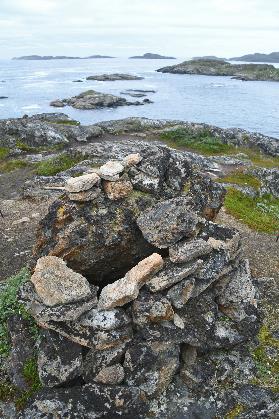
(180, 294)
(151, 366)
(96, 360)
(59, 360)
(89, 401)
(188, 250)
(82, 183)
(151, 308)
(111, 375)
(168, 222)
(173, 273)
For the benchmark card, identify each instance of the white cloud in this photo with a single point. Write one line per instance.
(178, 27)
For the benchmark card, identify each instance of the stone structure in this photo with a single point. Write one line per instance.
(158, 285)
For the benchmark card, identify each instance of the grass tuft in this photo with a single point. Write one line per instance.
(242, 179)
(57, 164)
(11, 165)
(4, 152)
(202, 141)
(260, 213)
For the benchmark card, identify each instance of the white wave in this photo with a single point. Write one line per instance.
(34, 106)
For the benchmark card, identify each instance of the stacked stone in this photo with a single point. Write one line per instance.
(121, 344)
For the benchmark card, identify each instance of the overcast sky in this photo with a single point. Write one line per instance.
(125, 27)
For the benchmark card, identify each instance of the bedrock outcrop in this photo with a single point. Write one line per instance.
(153, 290)
(91, 99)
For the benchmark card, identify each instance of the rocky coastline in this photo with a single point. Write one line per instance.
(140, 304)
(245, 72)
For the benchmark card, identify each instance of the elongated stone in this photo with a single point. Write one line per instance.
(127, 289)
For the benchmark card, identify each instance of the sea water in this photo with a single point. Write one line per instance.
(222, 101)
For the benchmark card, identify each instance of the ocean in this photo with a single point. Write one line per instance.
(221, 101)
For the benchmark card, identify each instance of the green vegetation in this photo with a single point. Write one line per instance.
(205, 143)
(4, 151)
(266, 357)
(57, 164)
(258, 158)
(260, 213)
(202, 141)
(66, 122)
(242, 179)
(10, 165)
(235, 412)
(9, 306)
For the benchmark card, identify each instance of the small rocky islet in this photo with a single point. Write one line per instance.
(91, 99)
(245, 72)
(143, 305)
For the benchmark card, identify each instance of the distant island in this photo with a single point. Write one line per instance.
(258, 57)
(57, 57)
(150, 56)
(245, 72)
(209, 57)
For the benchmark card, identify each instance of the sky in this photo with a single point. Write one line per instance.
(183, 28)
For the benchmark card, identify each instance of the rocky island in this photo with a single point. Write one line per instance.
(245, 72)
(57, 57)
(114, 77)
(151, 56)
(273, 57)
(93, 100)
(138, 299)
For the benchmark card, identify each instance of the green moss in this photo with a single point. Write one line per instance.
(4, 152)
(235, 412)
(260, 213)
(259, 159)
(9, 306)
(202, 141)
(242, 179)
(25, 147)
(266, 357)
(57, 164)
(11, 165)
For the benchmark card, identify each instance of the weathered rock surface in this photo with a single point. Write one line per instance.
(168, 222)
(151, 366)
(114, 77)
(59, 360)
(82, 183)
(223, 68)
(56, 284)
(91, 99)
(186, 250)
(127, 289)
(111, 170)
(92, 400)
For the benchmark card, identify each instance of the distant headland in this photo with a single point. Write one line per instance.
(245, 72)
(273, 57)
(151, 56)
(58, 57)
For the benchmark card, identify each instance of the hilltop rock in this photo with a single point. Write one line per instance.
(114, 77)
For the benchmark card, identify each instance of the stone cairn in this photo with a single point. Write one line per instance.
(107, 350)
